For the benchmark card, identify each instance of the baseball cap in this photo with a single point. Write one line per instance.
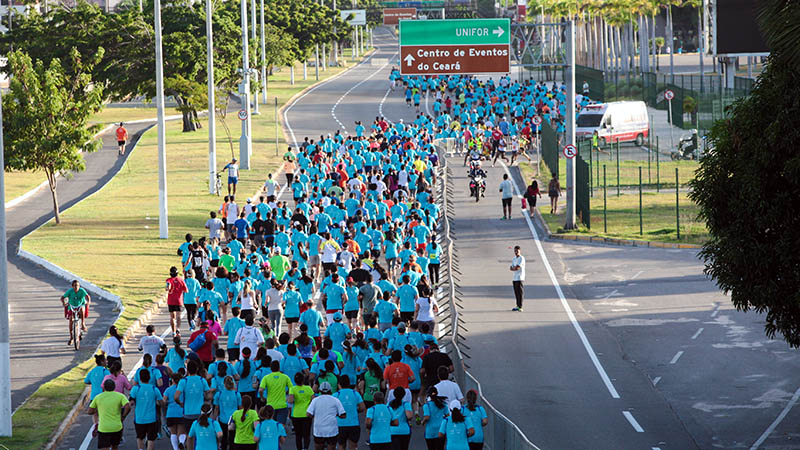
(337, 316)
(326, 387)
(249, 200)
(401, 326)
(349, 279)
(454, 404)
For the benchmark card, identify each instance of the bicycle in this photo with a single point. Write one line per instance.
(75, 332)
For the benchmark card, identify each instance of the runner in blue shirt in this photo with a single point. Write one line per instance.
(95, 376)
(205, 432)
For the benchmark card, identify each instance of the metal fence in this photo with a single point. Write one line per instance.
(500, 433)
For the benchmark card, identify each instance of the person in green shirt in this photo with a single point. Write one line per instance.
(244, 422)
(300, 396)
(76, 298)
(108, 411)
(276, 385)
(227, 260)
(279, 265)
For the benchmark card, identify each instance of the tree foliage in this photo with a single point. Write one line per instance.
(748, 191)
(46, 112)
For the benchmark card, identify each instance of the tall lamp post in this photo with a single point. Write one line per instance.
(163, 225)
(5, 353)
(245, 141)
(212, 126)
(263, 57)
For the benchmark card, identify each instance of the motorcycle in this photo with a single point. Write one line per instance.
(687, 147)
(477, 180)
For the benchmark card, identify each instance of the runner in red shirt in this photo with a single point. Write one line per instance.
(122, 138)
(398, 374)
(206, 352)
(175, 289)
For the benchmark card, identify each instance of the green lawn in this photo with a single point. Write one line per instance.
(112, 114)
(622, 215)
(661, 174)
(120, 224)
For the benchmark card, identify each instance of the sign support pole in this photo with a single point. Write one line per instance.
(570, 126)
(671, 139)
(244, 92)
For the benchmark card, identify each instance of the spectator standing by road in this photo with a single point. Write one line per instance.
(233, 178)
(507, 194)
(518, 267)
(122, 138)
(554, 191)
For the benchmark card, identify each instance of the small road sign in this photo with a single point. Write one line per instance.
(393, 16)
(455, 46)
(570, 151)
(537, 120)
(242, 114)
(669, 95)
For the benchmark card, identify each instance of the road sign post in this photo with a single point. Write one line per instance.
(537, 120)
(669, 95)
(570, 126)
(462, 46)
(393, 16)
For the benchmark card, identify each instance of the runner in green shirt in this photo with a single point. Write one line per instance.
(300, 395)
(108, 411)
(279, 265)
(276, 384)
(244, 421)
(76, 298)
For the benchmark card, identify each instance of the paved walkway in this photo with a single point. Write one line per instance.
(39, 335)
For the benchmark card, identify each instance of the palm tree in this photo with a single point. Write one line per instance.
(780, 24)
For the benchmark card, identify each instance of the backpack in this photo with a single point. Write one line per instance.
(198, 342)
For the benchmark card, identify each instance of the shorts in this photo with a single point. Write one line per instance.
(149, 430)
(391, 263)
(351, 314)
(313, 260)
(325, 441)
(292, 319)
(407, 316)
(106, 440)
(233, 180)
(120, 143)
(352, 434)
(507, 202)
(174, 421)
(174, 308)
(189, 420)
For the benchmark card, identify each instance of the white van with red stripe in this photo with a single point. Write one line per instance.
(615, 121)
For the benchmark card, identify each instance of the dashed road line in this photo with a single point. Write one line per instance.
(777, 421)
(656, 380)
(333, 109)
(633, 421)
(676, 357)
(697, 333)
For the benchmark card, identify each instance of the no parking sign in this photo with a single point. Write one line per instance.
(537, 120)
(669, 95)
(242, 114)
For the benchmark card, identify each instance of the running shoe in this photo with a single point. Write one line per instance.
(515, 309)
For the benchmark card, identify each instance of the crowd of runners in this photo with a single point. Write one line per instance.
(317, 314)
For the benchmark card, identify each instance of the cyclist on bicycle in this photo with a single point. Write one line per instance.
(77, 299)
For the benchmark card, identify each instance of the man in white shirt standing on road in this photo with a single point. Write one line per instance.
(507, 193)
(518, 267)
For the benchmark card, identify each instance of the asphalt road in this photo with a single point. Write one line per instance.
(39, 334)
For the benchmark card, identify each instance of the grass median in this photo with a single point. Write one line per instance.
(112, 239)
(659, 221)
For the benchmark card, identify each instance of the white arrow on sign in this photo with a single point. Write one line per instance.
(499, 31)
(408, 59)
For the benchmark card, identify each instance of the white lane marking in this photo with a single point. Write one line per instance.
(656, 448)
(607, 296)
(637, 274)
(777, 420)
(715, 312)
(592, 355)
(656, 380)
(633, 421)
(88, 438)
(380, 105)
(697, 333)
(676, 357)
(333, 109)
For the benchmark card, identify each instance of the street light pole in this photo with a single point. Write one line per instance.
(163, 225)
(5, 351)
(254, 37)
(212, 126)
(263, 57)
(570, 125)
(244, 91)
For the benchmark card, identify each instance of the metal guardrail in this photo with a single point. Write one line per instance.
(500, 433)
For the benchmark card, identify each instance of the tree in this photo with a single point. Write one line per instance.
(46, 113)
(748, 187)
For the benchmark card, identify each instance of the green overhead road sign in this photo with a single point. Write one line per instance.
(455, 32)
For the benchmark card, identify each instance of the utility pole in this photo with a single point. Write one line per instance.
(163, 224)
(5, 350)
(570, 125)
(245, 141)
(254, 73)
(212, 126)
(316, 62)
(335, 59)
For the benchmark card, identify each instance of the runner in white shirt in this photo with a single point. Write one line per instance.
(271, 186)
(249, 336)
(325, 409)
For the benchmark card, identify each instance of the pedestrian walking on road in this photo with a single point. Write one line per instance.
(518, 267)
(530, 195)
(507, 193)
(122, 138)
(554, 191)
